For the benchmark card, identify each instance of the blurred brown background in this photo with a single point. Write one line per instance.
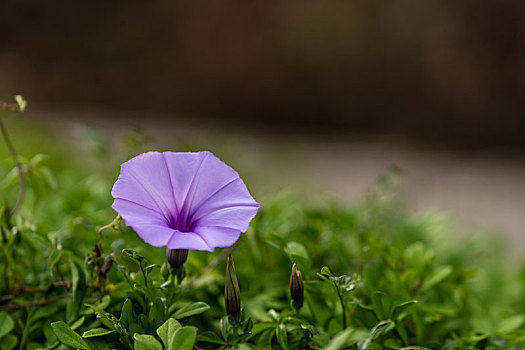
(321, 95)
(444, 71)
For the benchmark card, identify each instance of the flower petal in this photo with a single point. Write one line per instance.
(188, 240)
(145, 180)
(156, 235)
(233, 217)
(231, 195)
(183, 169)
(219, 237)
(212, 186)
(137, 214)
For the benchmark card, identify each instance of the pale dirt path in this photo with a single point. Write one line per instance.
(480, 191)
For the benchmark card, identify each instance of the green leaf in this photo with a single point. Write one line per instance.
(365, 315)
(156, 313)
(499, 342)
(68, 337)
(99, 306)
(78, 280)
(8, 342)
(274, 240)
(381, 328)
(392, 343)
(6, 323)
(401, 330)
(298, 254)
(325, 271)
(183, 339)
(128, 263)
(191, 310)
(167, 331)
(136, 328)
(265, 339)
(78, 323)
(97, 344)
(224, 326)
(262, 326)
(54, 258)
(400, 308)
(346, 338)
(146, 342)
(511, 324)
(436, 277)
(322, 339)
(45, 311)
(96, 332)
(382, 305)
(282, 336)
(209, 337)
(127, 316)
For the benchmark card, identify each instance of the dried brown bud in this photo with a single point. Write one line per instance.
(108, 262)
(232, 294)
(176, 257)
(296, 287)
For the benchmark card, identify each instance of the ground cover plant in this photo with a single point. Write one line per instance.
(316, 276)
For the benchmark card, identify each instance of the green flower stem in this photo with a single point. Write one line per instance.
(14, 155)
(343, 307)
(110, 225)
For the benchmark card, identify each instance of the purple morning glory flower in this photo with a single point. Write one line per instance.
(189, 200)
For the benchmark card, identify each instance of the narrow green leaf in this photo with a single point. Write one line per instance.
(68, 337)
(78, 280)
(127, 316)
(96, 332)
(282, 336)
(401, 330)
(440, 274)
(400, 308)
(191, 310)
(53, 260)
(381, 328)
(183, 339)
(78, 323)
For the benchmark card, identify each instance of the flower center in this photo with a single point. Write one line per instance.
(180, 222)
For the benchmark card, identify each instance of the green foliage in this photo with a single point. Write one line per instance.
(375, 277)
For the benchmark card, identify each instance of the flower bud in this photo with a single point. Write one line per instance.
(176, 257)
(296, 287)
(232, 294)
